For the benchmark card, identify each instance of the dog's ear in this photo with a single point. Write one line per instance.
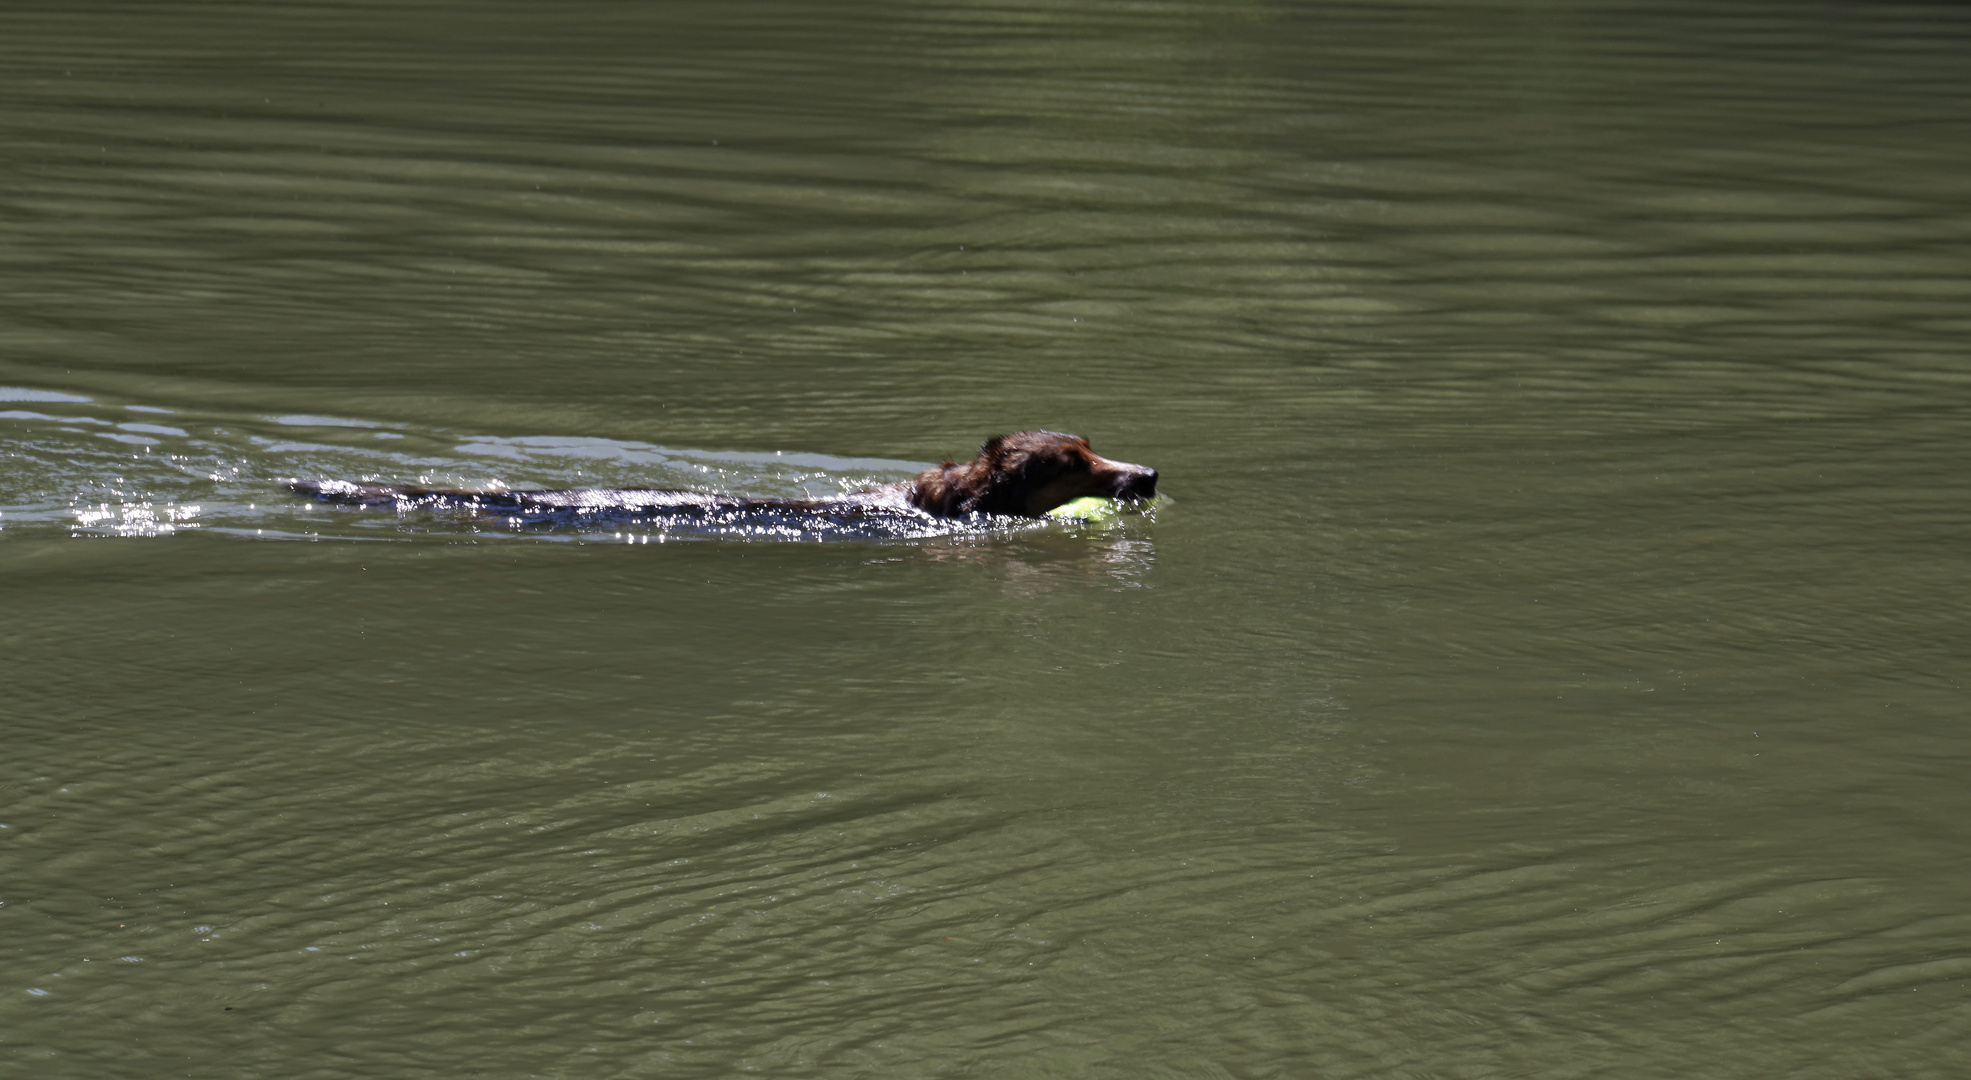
(1020, 464)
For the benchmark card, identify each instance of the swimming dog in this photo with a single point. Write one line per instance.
(1024, 474)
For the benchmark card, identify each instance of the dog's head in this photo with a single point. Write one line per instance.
(1031, 472)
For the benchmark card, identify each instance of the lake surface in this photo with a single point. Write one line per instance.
(1549, 660)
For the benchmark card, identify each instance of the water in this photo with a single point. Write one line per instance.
(1550, 662)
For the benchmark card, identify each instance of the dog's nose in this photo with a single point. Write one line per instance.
(1142, 483)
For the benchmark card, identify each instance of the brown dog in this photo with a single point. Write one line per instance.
(1024, 474)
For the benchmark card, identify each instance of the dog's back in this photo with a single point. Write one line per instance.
(496, 501)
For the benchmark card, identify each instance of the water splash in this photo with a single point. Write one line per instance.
(80, 465)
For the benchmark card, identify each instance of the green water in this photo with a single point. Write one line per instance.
(1548, 662)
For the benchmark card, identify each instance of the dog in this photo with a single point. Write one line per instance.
(1023, 475)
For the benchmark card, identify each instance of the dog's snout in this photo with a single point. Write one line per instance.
(1138, 482)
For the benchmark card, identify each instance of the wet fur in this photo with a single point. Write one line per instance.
(1024, 474)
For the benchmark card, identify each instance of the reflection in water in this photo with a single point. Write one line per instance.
(135, 519)
(1114, 554)
(223, 471)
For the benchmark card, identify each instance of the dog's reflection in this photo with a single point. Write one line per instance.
(1044, 561)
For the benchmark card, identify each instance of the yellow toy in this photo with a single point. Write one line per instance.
(1096, 508)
